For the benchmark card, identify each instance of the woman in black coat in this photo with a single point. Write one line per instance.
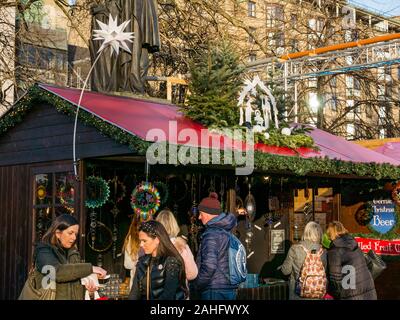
(160, 273)
(349, 277)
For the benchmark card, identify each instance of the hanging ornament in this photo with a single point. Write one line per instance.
(41, 192)
(97, 192)
(145, 201)
(93, 225)
(221, 193)
(250, 205)
(396, 194)
(364, 214)
(67, 198)
(101, 242)
(118, 192)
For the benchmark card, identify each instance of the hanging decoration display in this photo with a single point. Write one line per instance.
(250, 205)
(103, 241)
(396, 194)
(145, 200)
(67, 197)
(118, 191)
(97, 192)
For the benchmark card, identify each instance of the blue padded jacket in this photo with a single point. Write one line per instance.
(212, 259)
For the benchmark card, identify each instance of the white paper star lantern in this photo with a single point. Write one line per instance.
(113, 35)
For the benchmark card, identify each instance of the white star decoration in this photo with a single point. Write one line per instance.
(113, 35)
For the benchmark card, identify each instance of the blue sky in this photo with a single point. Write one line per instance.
(387, 7)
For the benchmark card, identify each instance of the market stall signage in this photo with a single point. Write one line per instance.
(383, 216)
(381, 247)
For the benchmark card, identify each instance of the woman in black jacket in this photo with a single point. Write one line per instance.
(349, 277)
(160, 273)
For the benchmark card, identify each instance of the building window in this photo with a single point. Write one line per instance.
(274, 16)
(350, 130)
(332, 102)
(252, 32)
(251, 9)
(293, 20)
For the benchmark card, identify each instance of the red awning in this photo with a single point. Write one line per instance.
(141, 117)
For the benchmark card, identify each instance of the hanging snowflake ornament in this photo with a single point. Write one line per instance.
(113, 35)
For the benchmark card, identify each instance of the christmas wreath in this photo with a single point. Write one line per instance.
(97, 192)
(364, 214)
(145, 200)
(396, 194)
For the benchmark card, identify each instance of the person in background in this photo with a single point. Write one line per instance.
(345, 259)
(167, 219)
(213, 281)
(311, 240)
(160, 273)
(131, 249)
(58, 249)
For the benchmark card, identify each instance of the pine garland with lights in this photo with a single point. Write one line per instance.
(263, 161)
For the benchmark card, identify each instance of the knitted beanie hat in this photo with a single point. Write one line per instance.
(210, 205)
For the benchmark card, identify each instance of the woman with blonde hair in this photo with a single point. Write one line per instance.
(131, 248)
(345, 256)
(311, 242)
(167, 219)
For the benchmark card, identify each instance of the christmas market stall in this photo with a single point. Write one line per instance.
(300, 174)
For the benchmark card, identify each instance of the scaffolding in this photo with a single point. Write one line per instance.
(332, 60)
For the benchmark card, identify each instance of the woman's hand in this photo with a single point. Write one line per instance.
(91, 286)
(100, 272)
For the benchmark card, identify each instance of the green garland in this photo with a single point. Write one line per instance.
(263, 161)
(97, 192)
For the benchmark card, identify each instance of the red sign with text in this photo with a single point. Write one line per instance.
(381, 247)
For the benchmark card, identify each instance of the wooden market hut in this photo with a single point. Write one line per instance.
(36, 143)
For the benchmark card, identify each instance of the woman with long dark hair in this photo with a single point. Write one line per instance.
(57, 252)
(160, 273)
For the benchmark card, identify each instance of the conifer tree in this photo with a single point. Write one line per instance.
(214, 86)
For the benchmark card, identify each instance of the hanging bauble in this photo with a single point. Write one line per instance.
(396, 194)
(97, 192)
(117, 190)
(250, 205)
(145, 200)
(364, 214)
(67, 197)
(163, 190)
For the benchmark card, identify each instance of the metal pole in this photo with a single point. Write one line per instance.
(296, 107)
